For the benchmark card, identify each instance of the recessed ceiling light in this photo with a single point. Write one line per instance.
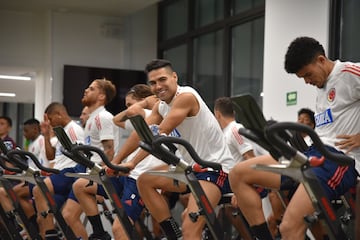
(2, 94)
(9, 77)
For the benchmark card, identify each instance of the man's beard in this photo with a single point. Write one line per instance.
(85, 102)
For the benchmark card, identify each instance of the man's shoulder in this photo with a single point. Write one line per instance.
(73, 125)
(104, 113)
(39, 139)
(186, 89)
(349, 68)
(233, 128)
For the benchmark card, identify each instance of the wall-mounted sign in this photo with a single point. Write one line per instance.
(291, 98)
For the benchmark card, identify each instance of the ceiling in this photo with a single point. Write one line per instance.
(119, 8)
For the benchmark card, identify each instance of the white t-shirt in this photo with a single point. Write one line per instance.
(338, 105)
(37, 147)
(76, 135)
(100, 127)
(203, 132)
(237, 144)
(148, 163)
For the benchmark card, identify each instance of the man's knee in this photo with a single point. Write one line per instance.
(143, 180)
(78, 186)
(291, 228)
(238, 173)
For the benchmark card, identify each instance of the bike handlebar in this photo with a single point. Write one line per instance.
(272, 133)
(4, 158)
(17, 156)
(171, 157)
(82, 159)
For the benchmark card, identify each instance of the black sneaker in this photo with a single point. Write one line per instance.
(103, 236)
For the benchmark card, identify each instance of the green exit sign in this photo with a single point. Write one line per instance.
(291, 98)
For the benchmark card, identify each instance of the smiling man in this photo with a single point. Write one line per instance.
(181, 108)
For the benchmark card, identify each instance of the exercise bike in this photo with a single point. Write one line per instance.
(164, 148)
(82, 155)
(18, 158)
(296, 165)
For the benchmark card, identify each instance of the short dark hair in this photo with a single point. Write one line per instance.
(301, 52)
(225, 106)
(7, 119)
(156, 64)
(32, 121)
(55, 106)
(140, 91)
(308, 112)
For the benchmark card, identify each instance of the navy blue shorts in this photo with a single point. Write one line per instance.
(117, 182)
(59, 199)
(63, 184)
(220, 179)
(335, 179)
(130, 198)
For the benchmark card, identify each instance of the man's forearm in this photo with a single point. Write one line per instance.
(130, 145)
(49, 149)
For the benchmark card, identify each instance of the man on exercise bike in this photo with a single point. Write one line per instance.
(337, 112)
(181, 108)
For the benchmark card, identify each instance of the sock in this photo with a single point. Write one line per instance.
(96, 224)
(33, 221)
(51, 234)
(171, 229)
(261, 232)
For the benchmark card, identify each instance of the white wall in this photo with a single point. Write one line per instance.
(21, 41)
(140, 42)
(80, 40)
(284, 21)
(45, 42)
(84, 40)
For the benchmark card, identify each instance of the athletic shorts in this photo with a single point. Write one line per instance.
(59, 199)
(335, 179)
(220, 179)
(63, 184)
(117, 182)
(130, 198)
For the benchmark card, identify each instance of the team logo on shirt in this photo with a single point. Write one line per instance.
(155, 130)
(9, 145)
(87, 140)
(324, 118)
(331, 95)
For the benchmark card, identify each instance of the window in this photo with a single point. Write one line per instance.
(350, 35)
(208, 11)
(241, 6)
(247, 58)
(174, 20)
(208, 66)
(177, 56)
(215, 46)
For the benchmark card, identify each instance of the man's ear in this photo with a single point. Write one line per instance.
(321, 59)
(175, 76)
(217, 114)
(102, 97)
